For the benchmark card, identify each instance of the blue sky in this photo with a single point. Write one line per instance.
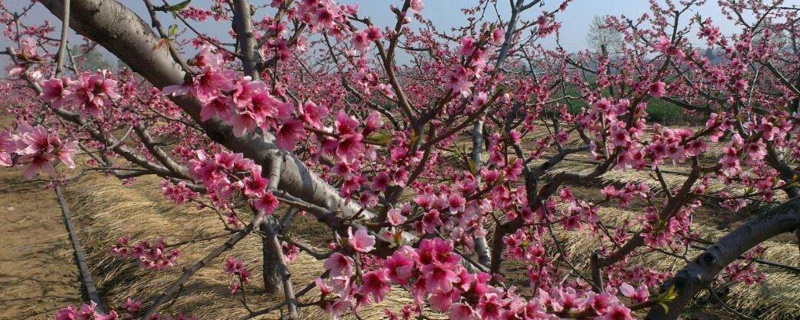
(444, 13)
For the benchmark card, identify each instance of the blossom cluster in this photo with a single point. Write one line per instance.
(89, 93)
(37, 148)
(746, 271)
(225, 174)
(248, 104)
(239, 274)
(150, 256)
(434, 272)
(129, 310)
(179, 193)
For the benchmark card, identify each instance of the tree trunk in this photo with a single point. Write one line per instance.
(278, 268)
(270, 260)
(481, 247)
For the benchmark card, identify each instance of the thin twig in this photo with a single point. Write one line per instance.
(62, 48)
(165, 38)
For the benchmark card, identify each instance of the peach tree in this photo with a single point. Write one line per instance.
(436, 156)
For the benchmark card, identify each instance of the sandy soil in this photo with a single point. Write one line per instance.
(37, 273)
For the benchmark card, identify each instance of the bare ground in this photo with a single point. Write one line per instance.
(38, 275)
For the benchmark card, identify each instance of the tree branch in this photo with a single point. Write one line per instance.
(189, 272)
(124, 34)
(283, 268)
(243, 26)
(62, 47)
(704, 268)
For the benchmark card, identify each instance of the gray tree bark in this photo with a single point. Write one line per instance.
(481, 246)
(270, 259)
(701, 271)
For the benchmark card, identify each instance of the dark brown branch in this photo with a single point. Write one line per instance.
(673, 206)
